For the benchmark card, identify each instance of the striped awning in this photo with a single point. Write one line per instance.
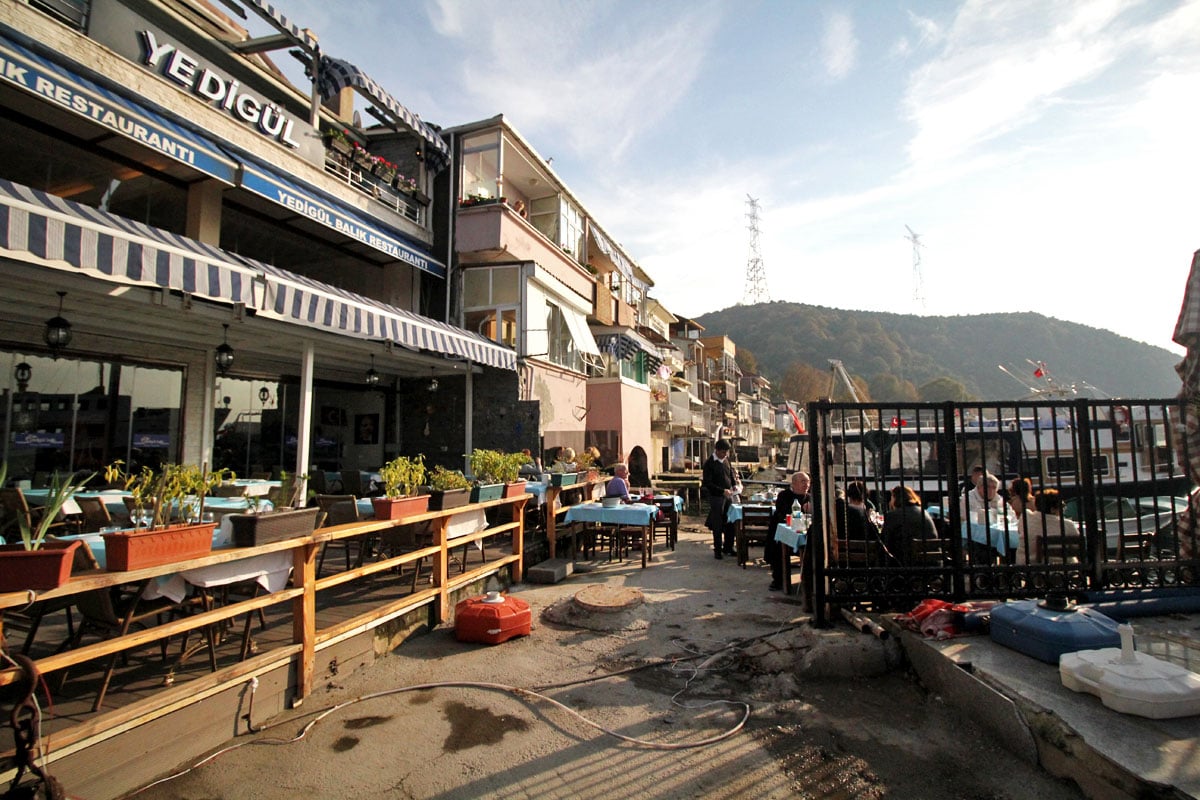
(46, 230)
(337, 74)
(626, 347)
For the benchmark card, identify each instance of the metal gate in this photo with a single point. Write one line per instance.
(1116, 465)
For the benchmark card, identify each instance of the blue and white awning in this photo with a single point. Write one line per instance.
(49, 231)
(24, 69)
(625, 344)
(337, 74)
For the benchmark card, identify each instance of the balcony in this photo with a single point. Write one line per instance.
(661, 416)
(411, 206)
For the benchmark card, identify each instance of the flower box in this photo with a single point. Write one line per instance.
(273, 526)
(398, 507)
(45, 568)
(126, 550)
(514, 489)
(441, 499)
(563, 478)
(490, 491)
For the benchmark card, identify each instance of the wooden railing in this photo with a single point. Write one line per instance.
(307, 639)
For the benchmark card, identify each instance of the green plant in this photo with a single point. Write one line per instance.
(511, 471)
(487, 466)
(445, 480)
(402, 476)
(177, 489)
(33, 536)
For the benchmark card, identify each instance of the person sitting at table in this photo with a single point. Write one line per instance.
(618, 485)
(639, 468)
(1046, 523)
(853, 516)
(532, 468)
(566, 460)
(904, 523)
(1021, 500)
(797, 492)
(985, 496)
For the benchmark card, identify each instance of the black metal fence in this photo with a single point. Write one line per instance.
(1117, 465)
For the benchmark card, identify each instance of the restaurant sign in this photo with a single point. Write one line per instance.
(151, 440)
(224, 93)
(37, 439)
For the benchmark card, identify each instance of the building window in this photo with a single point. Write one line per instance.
(481, 165)
(71, 12)
(562, 349)
(491, 298)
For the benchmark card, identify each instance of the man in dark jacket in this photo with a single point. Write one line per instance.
(717, 483)
(797, 492)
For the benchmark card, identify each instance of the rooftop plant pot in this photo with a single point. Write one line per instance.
(398, 507)
(46, 568)
(126, 550)
(441, 499)
(250, 530)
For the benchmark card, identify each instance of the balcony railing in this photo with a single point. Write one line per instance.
(363, 181)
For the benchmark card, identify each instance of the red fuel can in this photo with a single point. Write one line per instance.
(491, 618)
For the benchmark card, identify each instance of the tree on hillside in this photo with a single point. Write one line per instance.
(747, 361)
(804, 383)
(941, 389)
(888, 387)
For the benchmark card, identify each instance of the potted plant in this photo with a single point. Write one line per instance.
(448, 488)
(177, 490)
(487, 466)
(36, 563)
(510, 475)
(586, 462)
(293, 521)
(401, 477)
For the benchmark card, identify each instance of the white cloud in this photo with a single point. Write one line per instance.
(839, 46)
(1001, 67)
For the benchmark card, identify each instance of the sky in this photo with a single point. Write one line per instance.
(1044, 151)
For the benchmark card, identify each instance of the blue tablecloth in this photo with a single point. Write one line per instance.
(787, 536)
(1002, 534)
(734, 513)
(632, 514)
(678, 500)
(538, 490)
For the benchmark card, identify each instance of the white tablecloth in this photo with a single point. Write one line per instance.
(270, 570)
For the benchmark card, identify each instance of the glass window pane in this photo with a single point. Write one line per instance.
(482, 322)
(476, 291)
(481, 165)
(505, 289)
(508, 327)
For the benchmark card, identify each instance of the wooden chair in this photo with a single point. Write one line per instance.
(927, 552)
(352, 483)
(95, 514)
(112, 612)
(669, 525)
(340, 509)
(18, 512)
(83, 561)
(755, 528)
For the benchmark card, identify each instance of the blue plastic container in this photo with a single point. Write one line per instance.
(1047, 633)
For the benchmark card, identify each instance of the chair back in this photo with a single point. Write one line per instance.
(326, 503)
(317, 482)
(228, 490)
(16, 509)
(342, 512)
(95, 514)
(352, 482)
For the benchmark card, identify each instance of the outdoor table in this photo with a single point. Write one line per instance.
(1002, 534)
(790, 542)
(255, 487)
(737, 513)
(671, 506)
(634, 515)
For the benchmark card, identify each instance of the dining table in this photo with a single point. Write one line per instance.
(998, 532)
(794, 541)
(633, 515)
(114, 501)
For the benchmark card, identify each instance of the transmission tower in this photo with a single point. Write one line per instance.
(918, 281)
(756, 276)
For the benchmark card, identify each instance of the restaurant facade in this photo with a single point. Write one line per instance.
(202, 263)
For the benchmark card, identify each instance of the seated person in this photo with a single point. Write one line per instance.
(566, 461)
(532, 468)
(1048, 521)
(986, 495)
(618, 485)
(853, 519)
(905, 522)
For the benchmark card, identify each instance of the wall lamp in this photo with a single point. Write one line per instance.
(372, 377)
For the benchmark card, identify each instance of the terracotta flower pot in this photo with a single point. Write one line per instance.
(398, 507)
(514, 489)
(126, 550)
(46, 568)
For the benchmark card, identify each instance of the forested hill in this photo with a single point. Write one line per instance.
(897, 355)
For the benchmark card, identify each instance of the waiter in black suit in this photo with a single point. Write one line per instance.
(718, 482)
